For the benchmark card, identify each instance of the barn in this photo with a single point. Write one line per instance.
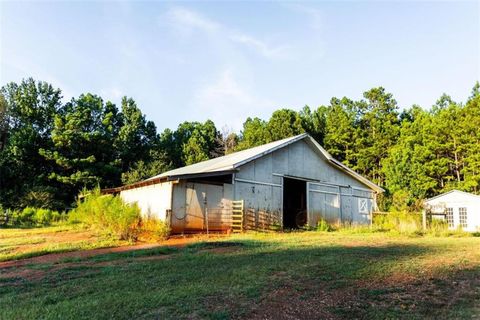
(284, 184)
(459, 209)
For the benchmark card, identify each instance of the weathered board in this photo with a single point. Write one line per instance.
(201, 207)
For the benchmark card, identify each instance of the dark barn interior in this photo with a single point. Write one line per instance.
(294, 203)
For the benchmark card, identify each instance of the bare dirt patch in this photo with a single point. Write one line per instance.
(57, 257)
(291, 302)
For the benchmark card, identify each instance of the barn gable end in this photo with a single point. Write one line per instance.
(331, 194)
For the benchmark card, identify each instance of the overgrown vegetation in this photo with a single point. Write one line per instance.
(256, 276)
(323, 225)
(108, 214)
(396, 222)
(153, 228)
(49, 150)
(401, 221)
(30, 217)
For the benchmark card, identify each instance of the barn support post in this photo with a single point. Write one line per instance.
(424, 219)
(206, 216)
(340, 204)
(205, 203)
(169, 215)
(371, 219)
(308, 203)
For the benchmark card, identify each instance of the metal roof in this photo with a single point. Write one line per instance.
(452, 191)
(229, 163)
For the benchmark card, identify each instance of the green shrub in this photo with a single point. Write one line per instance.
(26, 217)
(109, 214)
(32, 217)
(46, 217)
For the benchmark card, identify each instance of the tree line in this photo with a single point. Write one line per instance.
(50, 149)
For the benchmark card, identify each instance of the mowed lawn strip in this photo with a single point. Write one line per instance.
(278, 275)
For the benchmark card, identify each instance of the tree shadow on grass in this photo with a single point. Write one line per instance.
(253, 279)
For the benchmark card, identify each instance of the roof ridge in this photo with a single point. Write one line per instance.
(211, 162)
(451, 191)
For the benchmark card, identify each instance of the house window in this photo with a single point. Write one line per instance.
(462, 217)
(449, 212)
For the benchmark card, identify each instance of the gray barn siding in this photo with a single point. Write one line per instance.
(300, 160)
(297, 160)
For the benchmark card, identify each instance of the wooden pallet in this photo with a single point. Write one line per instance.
(237, 216)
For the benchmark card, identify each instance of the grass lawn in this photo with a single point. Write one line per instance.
(26, 243)
(308, 275)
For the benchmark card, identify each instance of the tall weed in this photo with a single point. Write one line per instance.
(153, 228)
(108, 214)
(400, 221)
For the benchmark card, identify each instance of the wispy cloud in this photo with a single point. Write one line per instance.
(187, 21)
(183, 18)
(226, 91)
(314, 15)
(260, 46)
(226, 100)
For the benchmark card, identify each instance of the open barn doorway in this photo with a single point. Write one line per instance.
(294, 203)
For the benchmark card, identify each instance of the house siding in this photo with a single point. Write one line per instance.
(456, 200)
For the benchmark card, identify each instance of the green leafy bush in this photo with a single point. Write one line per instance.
(109, 214)
(25, 217)
(31, 217)
(46, 217)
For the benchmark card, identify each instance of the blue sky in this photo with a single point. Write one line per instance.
(226, 61)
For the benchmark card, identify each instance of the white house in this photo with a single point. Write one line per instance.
(286, 183)
(461, 209)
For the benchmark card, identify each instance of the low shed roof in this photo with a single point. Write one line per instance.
(458, 193)
(230, 163)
